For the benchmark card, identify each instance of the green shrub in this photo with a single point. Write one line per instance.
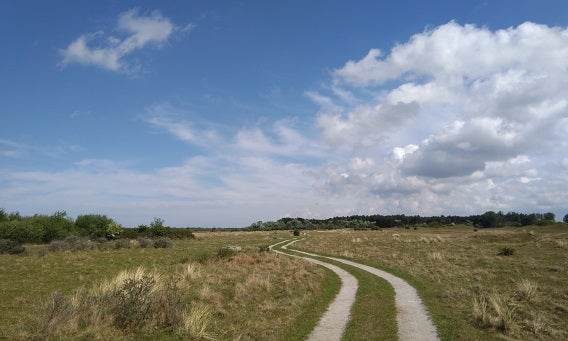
(96, 225)
(11, 247)
(546, 222)
(264, 248)
(180, 233)
(296, 233)
(225, 252)
(37, 229)
(203, 256)
(113, 230)
(158, 229)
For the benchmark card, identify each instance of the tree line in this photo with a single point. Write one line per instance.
(489, 219)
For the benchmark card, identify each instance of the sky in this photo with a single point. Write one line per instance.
(224, 113)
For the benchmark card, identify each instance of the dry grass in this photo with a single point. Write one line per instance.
(472, 292)
(196, 322)
(188, 292)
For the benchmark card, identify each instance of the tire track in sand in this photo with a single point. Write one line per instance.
(412, 318)
(332, 324)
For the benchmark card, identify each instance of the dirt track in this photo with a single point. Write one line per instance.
(412, 318)
(332, 324)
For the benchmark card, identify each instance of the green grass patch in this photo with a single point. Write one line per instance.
(304, 324)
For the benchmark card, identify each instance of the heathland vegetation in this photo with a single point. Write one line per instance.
(89, 277)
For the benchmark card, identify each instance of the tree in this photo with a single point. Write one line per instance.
(491, 219)
(113, 230)
(565, 218)
(93, 224)
(158, 229)
(549, 216)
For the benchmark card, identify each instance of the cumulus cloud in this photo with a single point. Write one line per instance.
(463, 53)
(108, 51)
(456, 112)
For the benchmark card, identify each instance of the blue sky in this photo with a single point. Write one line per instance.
(218, 113)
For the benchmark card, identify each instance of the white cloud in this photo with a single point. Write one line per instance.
(488, 120)
(173, 120)
(284, 140)
(137, 32)
(458, 120)
(365, 125)
(453, 52)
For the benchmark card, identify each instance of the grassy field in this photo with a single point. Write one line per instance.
(473, 286)
(251, 295)
(507, 283)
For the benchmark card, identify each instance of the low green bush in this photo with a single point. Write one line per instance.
(225, 252)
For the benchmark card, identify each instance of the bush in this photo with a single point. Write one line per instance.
(158, 229)
(37, 229)
(57, 245)
(163, 243)
(131, 307)
(180, 233)
(296, 233)
(506, 251)
(122, 244)
(145, 242)
(97, 225)
(225, 252)
(11, 247)
(264, 248)
(546, 222)
(132, 301)
(203, 257)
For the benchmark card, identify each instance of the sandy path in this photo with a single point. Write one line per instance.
(332, 324)
(412, 318)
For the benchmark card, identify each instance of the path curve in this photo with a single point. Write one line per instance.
(332, 324)
(413, 321)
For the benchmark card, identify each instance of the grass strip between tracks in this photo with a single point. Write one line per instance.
(373, 315)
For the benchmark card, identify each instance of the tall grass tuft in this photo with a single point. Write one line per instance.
(505, 311)
(133, 300)
(196, 322)
(495, 310)
(526, 289)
